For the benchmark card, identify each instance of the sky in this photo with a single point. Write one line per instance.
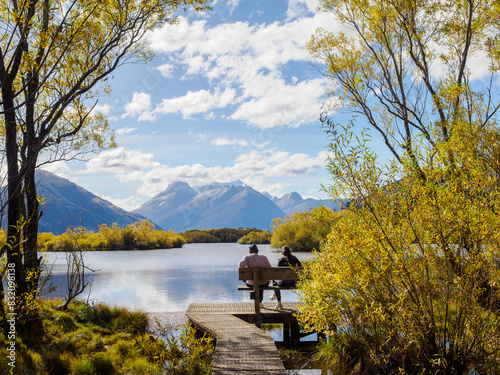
(231, 94)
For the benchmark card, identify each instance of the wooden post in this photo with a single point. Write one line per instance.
(295, 334)
(286, 334)
(256, 290)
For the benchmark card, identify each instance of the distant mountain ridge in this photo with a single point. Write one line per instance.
(68, 205)
(181, 207)
(293, 202)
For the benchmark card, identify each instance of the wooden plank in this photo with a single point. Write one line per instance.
(273, 273)
(267, 274)
(241, 348)
(240, 308)
(270, 287)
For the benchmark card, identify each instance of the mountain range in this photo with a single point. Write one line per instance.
(179, 207)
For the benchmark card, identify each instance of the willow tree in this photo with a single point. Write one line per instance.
(55, 57)
(411, 275)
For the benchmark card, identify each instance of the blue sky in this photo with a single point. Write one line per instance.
(230, 94)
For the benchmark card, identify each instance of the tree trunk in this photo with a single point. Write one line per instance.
(31, 261)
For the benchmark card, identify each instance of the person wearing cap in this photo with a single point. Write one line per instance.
(254, 260)
(288, 260)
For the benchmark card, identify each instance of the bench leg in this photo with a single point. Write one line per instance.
(256, 290)
(286, 335)
(295, 334)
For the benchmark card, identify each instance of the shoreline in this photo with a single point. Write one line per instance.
(174, 320)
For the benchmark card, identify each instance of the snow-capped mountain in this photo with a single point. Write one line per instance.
(180, 207)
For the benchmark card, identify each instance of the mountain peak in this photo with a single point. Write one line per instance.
(212, 206)
(177, 185)
(175, 195)
(294, 196)
(235, 183)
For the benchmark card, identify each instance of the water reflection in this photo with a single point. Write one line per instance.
(164, 280)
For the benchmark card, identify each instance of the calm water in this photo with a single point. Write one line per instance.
(165, 280)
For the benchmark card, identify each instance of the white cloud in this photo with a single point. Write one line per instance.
(201, 137)
(245, 63)
(166, 70)
(128, 165)
(125, 130)
(281, 104)
(258, 183)
(300, 8)
(257, 168)
(105, 109)
(196, 102)
(224, 141)
(129, 203)
(224, 9)
(59, 168)
(141, 102)
(235, 50)
(252, 168)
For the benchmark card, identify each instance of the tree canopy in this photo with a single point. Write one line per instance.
(55, 57)
(411, 275)
(303, 231)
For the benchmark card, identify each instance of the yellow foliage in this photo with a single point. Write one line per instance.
(141, 235)
(414, 270)
(411, 276)
(303, 231)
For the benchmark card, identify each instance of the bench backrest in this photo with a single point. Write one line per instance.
(273, 273)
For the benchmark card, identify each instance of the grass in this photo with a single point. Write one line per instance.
(99, 340)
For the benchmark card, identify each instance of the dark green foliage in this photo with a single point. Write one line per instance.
(128, 239)
(199, 236)
(217, 235)
(102, 365)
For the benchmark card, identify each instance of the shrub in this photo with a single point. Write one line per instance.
(259, 237)
(304, 231)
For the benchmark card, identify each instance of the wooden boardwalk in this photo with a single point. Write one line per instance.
(241, 347)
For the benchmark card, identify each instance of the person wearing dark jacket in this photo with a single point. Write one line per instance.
(288, 260)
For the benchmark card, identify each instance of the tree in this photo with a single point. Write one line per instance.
(411, 274)
(303, 231)
(55, 57)
(257, 237)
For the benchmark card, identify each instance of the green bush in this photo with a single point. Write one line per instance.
(98, 339)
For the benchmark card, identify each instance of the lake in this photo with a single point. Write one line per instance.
(164, 280)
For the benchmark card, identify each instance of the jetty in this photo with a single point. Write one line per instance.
(242, 348)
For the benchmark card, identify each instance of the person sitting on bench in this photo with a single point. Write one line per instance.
(288, 260)
(255, 260)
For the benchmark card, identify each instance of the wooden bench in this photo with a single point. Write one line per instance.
(258, 274)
